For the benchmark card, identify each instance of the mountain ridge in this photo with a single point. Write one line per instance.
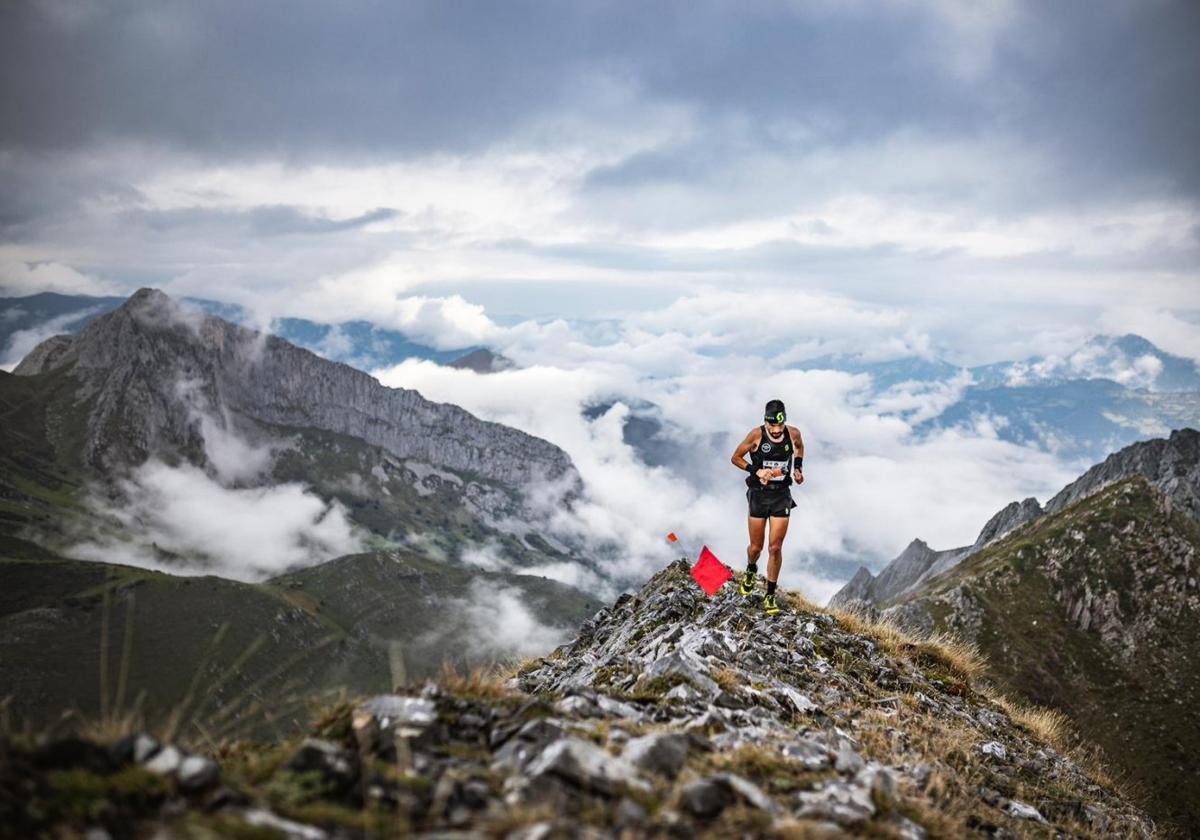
(1172, 464)
(1093, 610)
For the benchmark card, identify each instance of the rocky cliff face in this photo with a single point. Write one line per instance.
(671, 715)
(1010, 517)
(1172, 466)
(916, 563)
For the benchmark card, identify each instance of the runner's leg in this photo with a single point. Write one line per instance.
(779, 527)
(758, 527)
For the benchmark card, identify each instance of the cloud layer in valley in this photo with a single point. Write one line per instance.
(181, 520)
(872, 483)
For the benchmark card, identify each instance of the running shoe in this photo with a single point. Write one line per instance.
(770, 605)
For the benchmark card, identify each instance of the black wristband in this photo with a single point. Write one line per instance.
(749, 468)
(800, 462)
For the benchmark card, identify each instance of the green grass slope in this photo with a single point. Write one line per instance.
(96, 638)
(236, 657)
(1094, 611)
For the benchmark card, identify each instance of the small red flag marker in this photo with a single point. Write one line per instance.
(710, 572)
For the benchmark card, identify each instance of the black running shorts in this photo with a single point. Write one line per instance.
(764, 503)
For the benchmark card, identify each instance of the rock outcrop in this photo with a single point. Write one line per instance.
(1171, 465)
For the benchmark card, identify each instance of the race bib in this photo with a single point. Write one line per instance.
(776, 465)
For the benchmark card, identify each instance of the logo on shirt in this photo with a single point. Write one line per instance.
(766, 447)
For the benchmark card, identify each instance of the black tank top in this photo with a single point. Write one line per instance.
(772, 455)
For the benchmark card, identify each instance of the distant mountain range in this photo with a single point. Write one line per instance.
(1089, 604)
(1106, 394)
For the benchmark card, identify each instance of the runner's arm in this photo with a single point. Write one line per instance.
(798, 447)
(749, 442)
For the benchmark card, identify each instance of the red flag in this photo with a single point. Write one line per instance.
(671, 538)
(710, 572)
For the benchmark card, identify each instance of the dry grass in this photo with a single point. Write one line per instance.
(958, 658)
(1054, 728)
(1046, 724)
(727, 678)
(950, 747)
(115, 725)
(751, 760)
(770, 769)
(796, 601)
(479, 682)
(517, 816)
(516, 667)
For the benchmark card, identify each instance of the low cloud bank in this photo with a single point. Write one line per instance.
(21, 342)
(181, 520)
(501, 625)
(217, 520)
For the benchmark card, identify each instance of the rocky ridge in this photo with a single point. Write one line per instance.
(670, 715)
(1172, 465)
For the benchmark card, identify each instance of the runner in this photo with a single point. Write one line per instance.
(776, 453)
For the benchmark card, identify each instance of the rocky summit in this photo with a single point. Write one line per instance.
(671, 714)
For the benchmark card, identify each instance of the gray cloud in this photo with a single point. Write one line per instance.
(1105, 87)
(548, 158)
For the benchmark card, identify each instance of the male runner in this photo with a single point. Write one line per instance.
(776, 453)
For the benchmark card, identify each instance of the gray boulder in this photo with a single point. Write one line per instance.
(663, 753)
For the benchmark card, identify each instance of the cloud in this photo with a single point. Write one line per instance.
(502, 625)
(1095, 360)
(232, 458)
(1167, 329)
(486, 556)
(179, 519)
(18, 278)
(944, 149)
(22, 341)
(873, 483)
(693, 201)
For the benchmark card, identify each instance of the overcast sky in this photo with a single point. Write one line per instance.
(977, 180)
(963, 159)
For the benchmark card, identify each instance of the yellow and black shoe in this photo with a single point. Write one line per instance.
(747, 587)
(770, 605)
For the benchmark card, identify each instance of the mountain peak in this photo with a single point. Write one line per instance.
(147, 295)
(153, 367)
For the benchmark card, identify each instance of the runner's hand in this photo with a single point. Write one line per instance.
(798, 476)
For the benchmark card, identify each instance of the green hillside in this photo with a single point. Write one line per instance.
(1094, 611)
(74, 632)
